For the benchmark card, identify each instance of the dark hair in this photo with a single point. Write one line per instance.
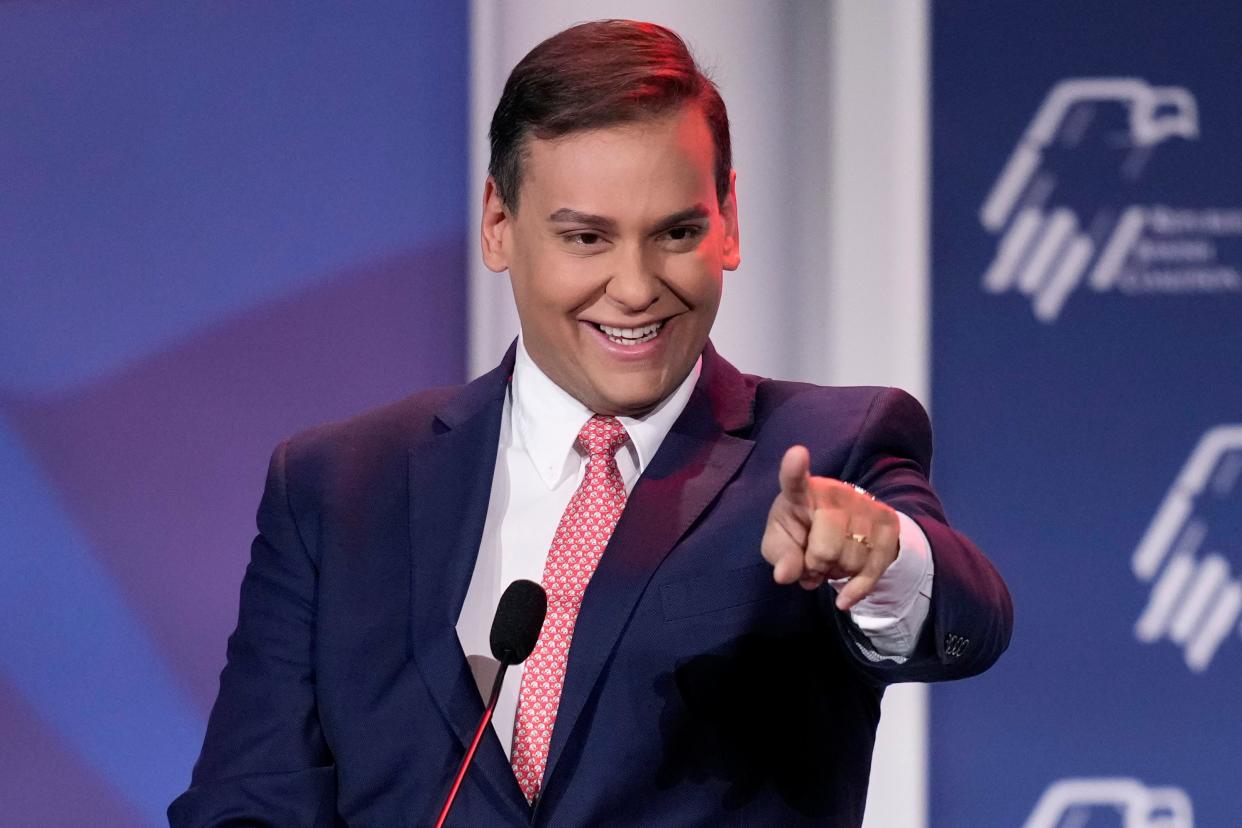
(596, 75)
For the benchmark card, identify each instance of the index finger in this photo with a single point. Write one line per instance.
(795, 473)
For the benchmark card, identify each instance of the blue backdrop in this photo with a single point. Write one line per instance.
(220, 223)
(1087, 338)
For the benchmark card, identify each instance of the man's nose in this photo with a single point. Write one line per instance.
(635, 285)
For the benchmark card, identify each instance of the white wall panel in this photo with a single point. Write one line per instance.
(879, 287)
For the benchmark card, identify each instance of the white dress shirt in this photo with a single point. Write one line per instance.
(538, 468)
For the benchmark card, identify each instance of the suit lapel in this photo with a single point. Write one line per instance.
(697, 458)
(450, 485)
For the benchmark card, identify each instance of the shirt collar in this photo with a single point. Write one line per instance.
(547, 419)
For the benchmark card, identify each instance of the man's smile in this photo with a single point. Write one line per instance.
(631, 336)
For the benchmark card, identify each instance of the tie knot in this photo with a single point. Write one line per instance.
(602, 436)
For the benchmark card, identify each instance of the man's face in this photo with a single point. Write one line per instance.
(616, 254)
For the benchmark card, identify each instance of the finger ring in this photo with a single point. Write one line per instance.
(857, 538)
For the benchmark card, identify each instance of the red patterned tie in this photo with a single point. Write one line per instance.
(577, 546)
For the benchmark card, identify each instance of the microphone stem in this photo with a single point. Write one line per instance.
(495, 697)
(474, 744)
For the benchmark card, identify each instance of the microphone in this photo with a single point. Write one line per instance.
(519, 617)
(515, 629)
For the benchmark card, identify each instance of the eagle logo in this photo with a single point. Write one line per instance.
(1045, 249)
(1196, 599)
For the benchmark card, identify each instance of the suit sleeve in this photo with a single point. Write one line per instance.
(264, 760)
(970, 620)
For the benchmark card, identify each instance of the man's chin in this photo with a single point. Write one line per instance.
(635, 394)
(634, 404)
(626, 408)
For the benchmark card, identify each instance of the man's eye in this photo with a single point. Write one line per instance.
(583, 239)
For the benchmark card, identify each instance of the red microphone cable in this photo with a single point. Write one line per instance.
(474, 745)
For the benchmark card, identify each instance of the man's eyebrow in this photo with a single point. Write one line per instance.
(567, 216)
(696, 213)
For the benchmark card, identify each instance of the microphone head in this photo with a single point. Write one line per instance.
(519, 617)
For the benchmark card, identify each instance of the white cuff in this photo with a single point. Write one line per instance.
(892, 615)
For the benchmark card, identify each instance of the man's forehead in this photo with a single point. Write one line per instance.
(658, 159)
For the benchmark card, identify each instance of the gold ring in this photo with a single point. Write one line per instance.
(857, 538)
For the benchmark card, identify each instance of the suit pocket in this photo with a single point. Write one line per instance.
(718, 591)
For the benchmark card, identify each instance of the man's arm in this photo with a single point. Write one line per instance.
(820, 528)
(264, 760)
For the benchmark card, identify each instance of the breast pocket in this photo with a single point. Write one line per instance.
(719, 591)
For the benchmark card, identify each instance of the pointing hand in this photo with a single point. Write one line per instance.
(820, 529)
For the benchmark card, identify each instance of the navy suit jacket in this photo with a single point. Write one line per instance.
(698, 690)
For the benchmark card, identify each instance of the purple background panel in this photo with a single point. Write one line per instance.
(162, 465)
(44, 780)
(222, 223)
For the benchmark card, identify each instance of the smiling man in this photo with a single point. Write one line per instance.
(735, 566)
(616, 254)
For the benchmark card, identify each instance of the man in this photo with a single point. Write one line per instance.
(694, 668)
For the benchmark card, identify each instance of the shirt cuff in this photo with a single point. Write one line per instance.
(892, 616)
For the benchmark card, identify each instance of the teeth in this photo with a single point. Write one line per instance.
(632, 336)
(631, 333)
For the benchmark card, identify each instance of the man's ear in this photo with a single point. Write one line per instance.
(494, 234)
(733, 239)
